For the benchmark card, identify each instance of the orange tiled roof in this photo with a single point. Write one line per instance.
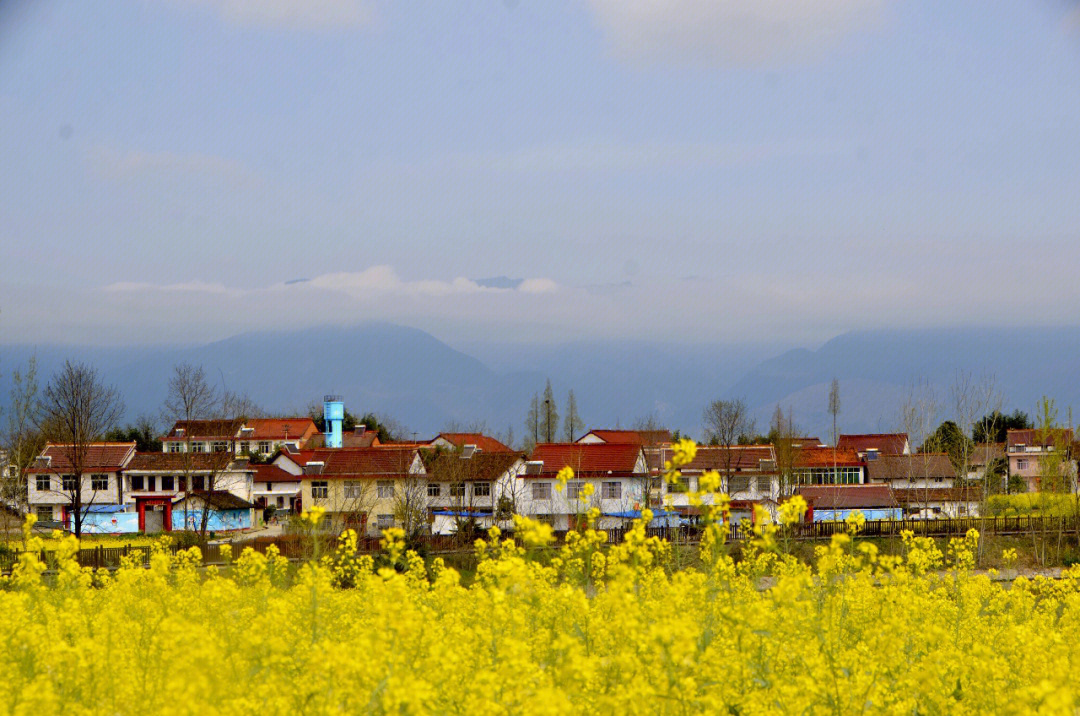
(103, 456)
(588, 459)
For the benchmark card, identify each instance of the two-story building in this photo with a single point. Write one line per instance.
(1029, 452)
(828, 466)
(618, 473)
(276, 489)
(158, 484)
(52, 484)
(924, 470)
(748, 476)
(468, 488)
(366, 489)
(264, 436)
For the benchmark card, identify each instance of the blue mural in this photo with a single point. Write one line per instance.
(100, 522)
(870, 513)
(217, 521)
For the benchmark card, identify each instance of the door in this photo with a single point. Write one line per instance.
(154, 519)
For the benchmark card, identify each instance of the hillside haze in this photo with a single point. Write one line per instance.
(425, 384)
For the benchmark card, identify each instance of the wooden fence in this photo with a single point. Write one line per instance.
(296, 548)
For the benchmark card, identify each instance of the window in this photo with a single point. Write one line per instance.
(176, 447)
(198, 482)
(573, 490)
(281, 501)
(738, 483)
(481, 489)
(99, 483)
(270, 487)
(167, 482)
(136, 483)
(264, 447)
(763, 484)
(43, 483)
(68, 482)
(541, 490)
(384, 522)
(44, 513)
(151, 483)
(198, 447)
(679, 486)
(320, 489)
(457, 489)
(220, 446)
(385, 490)
(611, 490)
(434, 489)
(1021, 464)
(353, 489)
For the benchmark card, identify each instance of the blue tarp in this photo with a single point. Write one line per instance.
(451, 513)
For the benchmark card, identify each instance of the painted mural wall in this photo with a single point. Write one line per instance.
(100, 523)
(218, 520)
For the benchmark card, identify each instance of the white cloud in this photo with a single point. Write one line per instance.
(292, 14)
(383, 279)
(730, 32)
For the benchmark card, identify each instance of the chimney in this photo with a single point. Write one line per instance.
(360, 429)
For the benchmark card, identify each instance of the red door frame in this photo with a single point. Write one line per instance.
(166, 518)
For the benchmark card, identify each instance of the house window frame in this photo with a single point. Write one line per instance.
(353, 489)
(68, 483)
(384, 489)
(611, 490)
(43, 479)
(481, 489)
(320, 489)
(541, 491)
(434, 489)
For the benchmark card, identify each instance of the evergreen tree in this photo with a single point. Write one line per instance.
(573, 424)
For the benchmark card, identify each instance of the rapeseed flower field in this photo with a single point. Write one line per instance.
(544, 629)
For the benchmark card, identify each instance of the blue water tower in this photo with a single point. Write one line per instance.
(333, 416)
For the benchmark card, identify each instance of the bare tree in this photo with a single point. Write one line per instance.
(532, 422)
(75, 409)
(22, 441)
(918, 416)
(572, 424)
(726, 422)
(550, 414)
(785, 447)
(192, 398)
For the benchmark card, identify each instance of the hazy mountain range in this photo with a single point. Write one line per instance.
(425, 384)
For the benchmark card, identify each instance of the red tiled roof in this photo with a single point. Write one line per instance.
(921, 466)
(179, 462)
(204, 430)
(279, 428)
(985, 452)
(742, 457)
(595, 459)
(838, 497)
(481, 441)
(808, 457)
(273, 473)
(358, 462)
(107, 457)
(1043, 438)
(633, 437)
(483, 466)
(884, 443)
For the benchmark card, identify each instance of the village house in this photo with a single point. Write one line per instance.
(912, 471)
(987, 461)
(366, 489)
(828, 466)
(276, 489)
(618, 473)
(939, 502)
(157, 481)
(263, 436)
(468, 488)
(838, 502)
(52, 485)
(748, 476)
(1028, 451)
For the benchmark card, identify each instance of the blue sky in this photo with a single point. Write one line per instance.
(715, 171)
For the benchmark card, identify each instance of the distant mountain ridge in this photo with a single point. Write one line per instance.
(426, 384)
